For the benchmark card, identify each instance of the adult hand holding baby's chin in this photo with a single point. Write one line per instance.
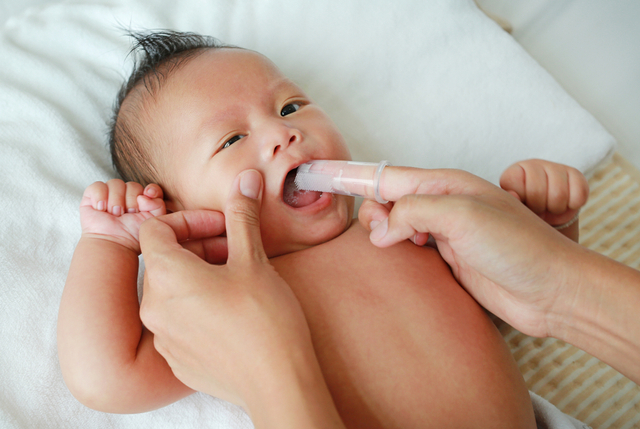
(235, 331)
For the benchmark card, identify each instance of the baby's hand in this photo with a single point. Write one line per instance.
(555, 192)
(115, 210)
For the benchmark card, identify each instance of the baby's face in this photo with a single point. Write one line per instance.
(229, 110)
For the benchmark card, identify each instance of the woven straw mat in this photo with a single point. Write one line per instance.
(574, 381)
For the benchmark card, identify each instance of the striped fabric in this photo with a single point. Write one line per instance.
(577, 383)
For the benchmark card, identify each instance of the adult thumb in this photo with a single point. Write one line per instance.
(242, 218)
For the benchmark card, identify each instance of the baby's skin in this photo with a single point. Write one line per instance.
(400, 343)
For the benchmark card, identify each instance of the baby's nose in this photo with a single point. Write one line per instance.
(283, 139)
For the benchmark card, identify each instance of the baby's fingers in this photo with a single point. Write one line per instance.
(132, 191)
(513, 181)
(578, 189)
(153, 191)
(96, 196)
(116, 204)
(527, 181)
(536, 187)
(152, 201)
(155, 206)
(558, 188)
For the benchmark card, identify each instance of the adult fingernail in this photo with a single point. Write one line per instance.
(250, 183)
(380, 230)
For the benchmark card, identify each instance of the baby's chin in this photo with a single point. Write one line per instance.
(274, 250)
(282, 244)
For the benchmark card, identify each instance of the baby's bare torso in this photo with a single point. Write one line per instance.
(400, 343)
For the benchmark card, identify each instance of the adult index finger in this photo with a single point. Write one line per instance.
(169, 230)
(397, 182)
(439, 215)
(165, 257)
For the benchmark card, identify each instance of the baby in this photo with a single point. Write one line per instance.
(400, 343)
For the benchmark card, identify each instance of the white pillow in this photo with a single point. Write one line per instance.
(422, 83)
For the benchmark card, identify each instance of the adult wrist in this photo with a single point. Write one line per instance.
(294, 396)
(581, 277)
(597, 311)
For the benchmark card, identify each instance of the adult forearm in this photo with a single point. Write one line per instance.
(295, 397)
(599, 314)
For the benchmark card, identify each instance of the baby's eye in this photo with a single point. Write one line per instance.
(289, 109)
(231, 141)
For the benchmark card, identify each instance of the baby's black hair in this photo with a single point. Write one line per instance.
(156, 55)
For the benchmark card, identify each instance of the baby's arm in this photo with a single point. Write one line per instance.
(555, 192)
(107, 357)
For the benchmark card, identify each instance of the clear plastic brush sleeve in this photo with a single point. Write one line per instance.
(357, 179)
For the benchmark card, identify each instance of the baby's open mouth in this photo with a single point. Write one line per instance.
(295, 197)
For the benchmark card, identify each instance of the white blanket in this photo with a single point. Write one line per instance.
(429, 84)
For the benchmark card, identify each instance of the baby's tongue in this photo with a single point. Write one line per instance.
(296, 197)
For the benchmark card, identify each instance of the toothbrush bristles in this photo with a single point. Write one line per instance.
(313, 182)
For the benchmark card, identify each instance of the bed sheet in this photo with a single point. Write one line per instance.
(429, 84)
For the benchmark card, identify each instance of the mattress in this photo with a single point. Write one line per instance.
(574, 381)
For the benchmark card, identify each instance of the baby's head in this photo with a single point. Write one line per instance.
(195, 113)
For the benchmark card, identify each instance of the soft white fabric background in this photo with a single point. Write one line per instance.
(432, 84)
(592, 48)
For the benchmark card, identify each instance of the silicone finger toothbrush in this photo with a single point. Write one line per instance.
(358, 179)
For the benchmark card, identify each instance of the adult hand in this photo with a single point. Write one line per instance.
(235, 331)
(504, 255)
(513, 263)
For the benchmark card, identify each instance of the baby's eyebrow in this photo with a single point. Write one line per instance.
(285, 84)
(227, 115)
(214, 127)
(231, 114)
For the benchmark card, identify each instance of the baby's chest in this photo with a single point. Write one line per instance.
(382, 318)
(351, 288)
